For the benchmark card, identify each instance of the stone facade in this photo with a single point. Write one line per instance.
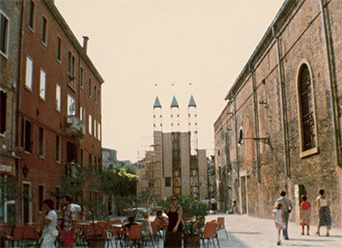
(260, 135)
(161, 174)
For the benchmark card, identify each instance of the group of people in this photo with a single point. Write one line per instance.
(51, 229)
(283, 208)
(173, 221)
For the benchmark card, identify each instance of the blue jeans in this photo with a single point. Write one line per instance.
(285, 233)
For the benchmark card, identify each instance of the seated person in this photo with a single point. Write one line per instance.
(161, 221)
(130, 222)
(146, 228)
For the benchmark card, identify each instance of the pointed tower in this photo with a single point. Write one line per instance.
(194, 170)
(175, 125)
(192, 124)
(157, 116)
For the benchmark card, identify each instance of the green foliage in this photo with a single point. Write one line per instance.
(9, 189)
(194, 213)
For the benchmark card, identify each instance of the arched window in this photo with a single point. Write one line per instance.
(307, 120)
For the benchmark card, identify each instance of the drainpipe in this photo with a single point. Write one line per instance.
(237, 165)
(256, 122)
(332, 78)
(283, 106)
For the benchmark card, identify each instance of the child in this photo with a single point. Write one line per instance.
(305, 212)
(279, 219)
(146, 228)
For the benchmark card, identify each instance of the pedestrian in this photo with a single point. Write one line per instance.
(323, 212)
(174, 230)
(286, 206)
(50, 231)
(69, 223)
(279, 219)
(146, 228)
(305, 213)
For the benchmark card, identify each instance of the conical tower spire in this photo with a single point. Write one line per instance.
(157, 115)
(192, 102)
(157, 103)
(174, 103)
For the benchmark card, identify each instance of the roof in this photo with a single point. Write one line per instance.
(157, 103)
(174, 103)
(192, 102)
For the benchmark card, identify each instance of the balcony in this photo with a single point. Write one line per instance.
(71, 169)
(75, 127)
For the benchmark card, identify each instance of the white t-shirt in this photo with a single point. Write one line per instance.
(52, 227)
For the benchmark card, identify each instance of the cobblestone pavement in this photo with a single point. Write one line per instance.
(249, 232)
(245, 231)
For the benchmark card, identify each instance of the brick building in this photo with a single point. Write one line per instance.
(59, 105)
(10, 13)
(281, 127)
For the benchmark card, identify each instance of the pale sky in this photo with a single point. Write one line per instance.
(135, 44)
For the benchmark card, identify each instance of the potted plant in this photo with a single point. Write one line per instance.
(193, 219)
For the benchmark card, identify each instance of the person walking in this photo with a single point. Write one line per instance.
(50, 231)
(69, 223)
(323, 212)
(286, 206)
(174, 230)
(279, 219)
(146, 228)
(305, 213)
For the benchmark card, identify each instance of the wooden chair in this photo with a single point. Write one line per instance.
(134, 236)
(221, 225)
(30, 236)
(210, 233)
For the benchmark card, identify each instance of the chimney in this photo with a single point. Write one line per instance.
(85, 43)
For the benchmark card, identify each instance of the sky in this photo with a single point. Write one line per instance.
(165, 48)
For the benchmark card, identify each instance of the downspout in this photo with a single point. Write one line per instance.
(256, 123)
(283, 106)
(333, 79)
(17, 119)
(237, 165)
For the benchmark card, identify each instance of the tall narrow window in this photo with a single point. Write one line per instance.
(81, 156)
(31, 14)
(26, 203)
(42, 87)
(71, 105)
(59, 48)
(29, 73)
(95, 91)
(71, 65)
(44, 30)
(82, 114)
(58, 98)
(89, 87)
(40, 197)
(90, 125)
(41, 142)
(95, 128)
(98, 97)
(81, 77)
(99, 136)
(4, 27)
(3, 111)
(27, 136)
(58, 149)
(306, 108)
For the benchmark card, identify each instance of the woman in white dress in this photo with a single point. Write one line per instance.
(50, 232)
(279, 219)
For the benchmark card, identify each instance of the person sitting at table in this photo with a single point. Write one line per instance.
(161, 221)
(130, 222)
(146, 228)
